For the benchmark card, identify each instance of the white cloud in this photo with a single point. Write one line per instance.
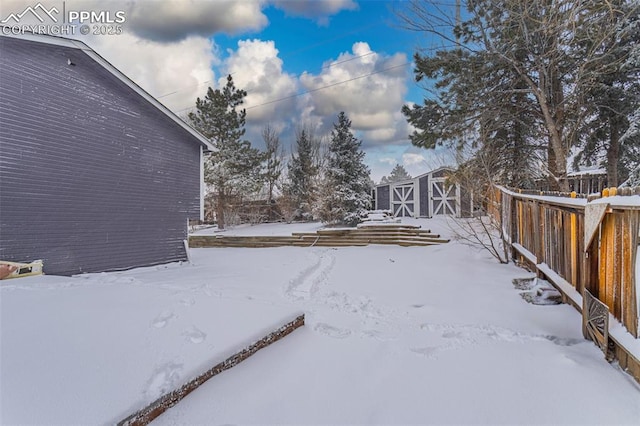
(176, 73)
(368, 86)
(171, 20)
(409, 159)
(387, 160)
(320, 10)
(256, 68)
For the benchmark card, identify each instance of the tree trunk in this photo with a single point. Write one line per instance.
(613, 153)
(557, 159)
(220, 201)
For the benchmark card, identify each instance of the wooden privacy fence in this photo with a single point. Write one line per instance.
(579, 244)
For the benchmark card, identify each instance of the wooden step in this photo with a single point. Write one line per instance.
(342, 237)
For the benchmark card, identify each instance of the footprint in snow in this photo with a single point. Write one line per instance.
(162, 319)
(377, 335)
(194, 335)
(331, 331)
(163, 380)
(562, 341)
(428, 351)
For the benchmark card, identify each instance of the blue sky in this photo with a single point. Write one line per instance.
(305, 43)
(320, 57)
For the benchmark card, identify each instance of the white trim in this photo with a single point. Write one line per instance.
(430, 173)
(416, 198)
(560, 201)
(186, 249)
(76, 44)
(202, 185)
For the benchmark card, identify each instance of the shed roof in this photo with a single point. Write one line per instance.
(76, 44)
(408, 181)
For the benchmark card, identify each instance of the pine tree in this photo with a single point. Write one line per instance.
(234, 168)
(532, 63)
(480, 108)
(345, 195)
(399, 173)
(302, 171)
(612, 96)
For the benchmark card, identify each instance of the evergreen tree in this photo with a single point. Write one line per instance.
(399, 173)
(235, 167)
(346, 193)
(302, 170)
(479, 108)
(519, 67)
(612, 96)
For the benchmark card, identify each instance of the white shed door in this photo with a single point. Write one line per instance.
(445, 199)
(403, 201)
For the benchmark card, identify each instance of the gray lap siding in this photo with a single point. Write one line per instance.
(382, 198)
(423, 187)
(92, 176)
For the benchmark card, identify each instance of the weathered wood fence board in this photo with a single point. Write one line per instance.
(552, 229)
(595, 322)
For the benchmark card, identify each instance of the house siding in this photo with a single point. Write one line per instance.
(92, 176)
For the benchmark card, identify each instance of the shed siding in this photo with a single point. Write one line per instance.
(92, 176)
(465, 203)
(382, 198)
(423, 187)
(441, 173)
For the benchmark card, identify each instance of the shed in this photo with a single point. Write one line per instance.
(95, 174)
(426, 195)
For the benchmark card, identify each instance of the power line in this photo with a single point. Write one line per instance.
(182, 90)
(328, 86)
(297, 52)
(324, 87)
(317, 88)
(293, 75)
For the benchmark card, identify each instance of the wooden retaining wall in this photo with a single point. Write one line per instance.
(147, 414)
(403, 235)
(581, 245)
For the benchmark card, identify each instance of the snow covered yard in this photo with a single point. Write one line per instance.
(393, 335)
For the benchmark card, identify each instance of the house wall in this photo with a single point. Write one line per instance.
(92, 176)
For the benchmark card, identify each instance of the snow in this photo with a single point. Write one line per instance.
(563, 284)
(585, 171)
(632, 201)
(98, 347)
(560, 201)
(395, 335)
